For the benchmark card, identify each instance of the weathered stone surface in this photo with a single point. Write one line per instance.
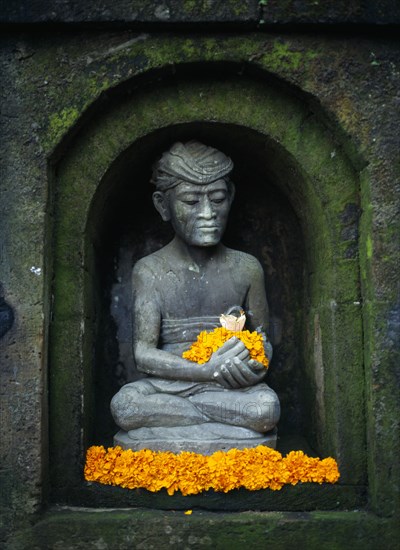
(52, 85)
(128, 11)
(155, 529)
(330, 12)
(255, 12)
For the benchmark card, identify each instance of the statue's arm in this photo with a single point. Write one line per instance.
(256, 300)
(257, 304)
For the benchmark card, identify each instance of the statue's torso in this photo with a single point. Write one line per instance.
(185, 290)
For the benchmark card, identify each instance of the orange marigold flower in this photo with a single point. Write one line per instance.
(191, 473)
(208, 342)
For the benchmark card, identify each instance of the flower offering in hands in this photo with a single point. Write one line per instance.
(232, 326)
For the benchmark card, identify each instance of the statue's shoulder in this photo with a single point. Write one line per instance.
(153, 264)
(239, 259)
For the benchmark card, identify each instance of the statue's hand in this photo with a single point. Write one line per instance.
(233, 368)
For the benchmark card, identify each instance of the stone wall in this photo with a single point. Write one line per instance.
(92, 91)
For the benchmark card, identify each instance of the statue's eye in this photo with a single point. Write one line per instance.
(190, 202)
(218, 198)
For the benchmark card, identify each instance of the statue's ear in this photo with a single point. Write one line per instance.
(160, 201)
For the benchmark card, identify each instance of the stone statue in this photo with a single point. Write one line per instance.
(179, 291)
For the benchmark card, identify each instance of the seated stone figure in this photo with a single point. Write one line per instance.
(179, 291)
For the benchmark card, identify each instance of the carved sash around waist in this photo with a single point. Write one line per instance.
(179, 331)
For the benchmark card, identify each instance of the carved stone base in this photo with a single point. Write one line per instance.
(206, 445)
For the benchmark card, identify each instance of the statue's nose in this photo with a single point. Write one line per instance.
(207, 210)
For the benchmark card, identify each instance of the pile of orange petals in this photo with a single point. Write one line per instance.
(192, 473)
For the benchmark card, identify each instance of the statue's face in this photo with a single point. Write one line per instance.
(199, 213)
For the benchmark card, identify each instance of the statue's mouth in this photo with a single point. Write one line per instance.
(208, 227)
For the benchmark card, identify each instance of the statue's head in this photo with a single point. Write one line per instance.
(194, 192)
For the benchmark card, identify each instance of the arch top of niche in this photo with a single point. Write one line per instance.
(282, 135)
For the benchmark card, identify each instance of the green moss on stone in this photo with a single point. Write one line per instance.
(146, 529)
(79, 92)
(282, 57)
(205, 7)
(190, 5)
(189, 48)
(369, 247)
(60, 123)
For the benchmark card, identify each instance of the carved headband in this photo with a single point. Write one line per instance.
(192, 162)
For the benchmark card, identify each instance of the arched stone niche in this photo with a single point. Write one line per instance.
(296, 209)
